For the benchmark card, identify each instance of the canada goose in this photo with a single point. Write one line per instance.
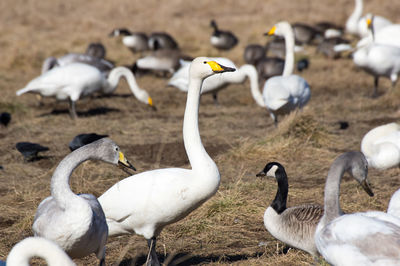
(303, 33)
(30, 150)
(145, 203)
(381, 146)
(84, 139)
(268, 67)
(30, 247)
(282, 94)
(222, 40)
(213, 84)
(87, 80)
(367, 238)
(76, 222)
(136, 42)
(5, 118)
(329, 30)
(162, 40)
(332, 47)
(356, 24)
(96, 49)
(253, 53)
(378, 60)
(275, 47)
(294, 226)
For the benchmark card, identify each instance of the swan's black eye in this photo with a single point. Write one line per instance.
(116, 148)
(205, 62)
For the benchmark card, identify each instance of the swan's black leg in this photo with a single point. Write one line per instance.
(72, 111)
(152, 259)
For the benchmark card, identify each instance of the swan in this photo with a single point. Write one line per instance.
(213, 84)
(136, 42)
(30, 247)
(222, 40)
(282, 94)
(381, 146)
(356, 24)
(294, 226)
(145, 203)
(76, 80)
(76, 222)
(389, 35)
(394, 204)
(366, 238)
(378, 59)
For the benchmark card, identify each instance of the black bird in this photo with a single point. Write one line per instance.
(5, 118)
(162, 40)
(30, 150)
(302, 64)
(83, 139)
(223, 40)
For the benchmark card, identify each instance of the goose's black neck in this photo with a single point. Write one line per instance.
(279, 203)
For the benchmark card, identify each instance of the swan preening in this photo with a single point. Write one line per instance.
(381, 146)
(30, 247)
(77, 222)
(76, 80)
(145, 203)
(283, 94)
(294, 226)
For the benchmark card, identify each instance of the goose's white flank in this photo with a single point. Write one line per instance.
(76, 80)
(77, 222)
(145, 203)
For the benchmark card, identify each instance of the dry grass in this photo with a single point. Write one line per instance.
(228, 229)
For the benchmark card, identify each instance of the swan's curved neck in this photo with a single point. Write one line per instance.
(60, 189)
(116, 74)
(289, 42)
(251, 72)
(198, 157)
(31, 247)
(352, 21)
(279, 203)
(332, 208)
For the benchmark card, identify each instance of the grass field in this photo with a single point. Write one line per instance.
(240, 136)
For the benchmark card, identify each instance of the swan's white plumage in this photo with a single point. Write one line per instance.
(390, 35)
(394, 204)
(24, 250)
(381, 146)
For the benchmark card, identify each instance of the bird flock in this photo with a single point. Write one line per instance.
(69, 225)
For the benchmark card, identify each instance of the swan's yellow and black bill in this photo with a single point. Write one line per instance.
(217, 68)
(150, 101)
(124, 162)
(367, 188)
(369, 22)
(271, 31)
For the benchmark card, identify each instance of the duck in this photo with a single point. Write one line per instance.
(356, 23)
(147, 202)
(222, 40)
(381, 146)
(283, 94)
(363, 238)
(86, 80)
(378, 59)
(77, 222)
(30, 247)
(137, 42)
(296, 225)
(161, 41)
(84, 139)
(212, 85)
(30, 150)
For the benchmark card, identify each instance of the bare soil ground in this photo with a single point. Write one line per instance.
(239, 135)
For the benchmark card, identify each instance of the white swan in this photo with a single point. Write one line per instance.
(283, 94)
(76, 222)
(381, 146)
(145, 203)
(215, 83)
(368, 238)
(394, 204)
(378, 59)
(76, 80)
(296, 225)
(30, 247)
(356, 24)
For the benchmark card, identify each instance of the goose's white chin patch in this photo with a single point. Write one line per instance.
(271, 172)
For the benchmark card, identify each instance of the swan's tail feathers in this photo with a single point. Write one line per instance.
(342, 47)
(24, 90)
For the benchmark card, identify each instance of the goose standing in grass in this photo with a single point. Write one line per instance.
(356, 23)
(222, 40)
(76, 222)
(162, 40)
(137, 42)
(366, 238)
(30, 247)
(294, 226)
(77, 80)
(378, 59)
(283, 94)
(381, 146)
(145, 203)
(215, 83)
